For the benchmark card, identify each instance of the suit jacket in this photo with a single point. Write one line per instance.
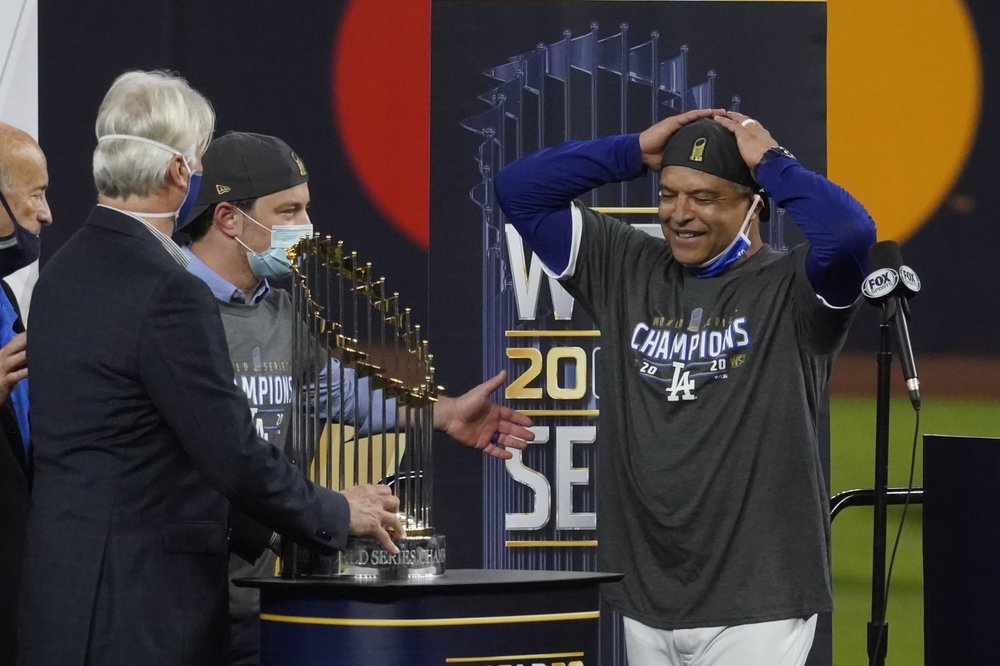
(140, 435)
(14, 493)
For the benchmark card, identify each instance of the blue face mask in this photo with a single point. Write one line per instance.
(273, 263)
(19, 249)
(736, 249)
(194, 181)
(190, 197)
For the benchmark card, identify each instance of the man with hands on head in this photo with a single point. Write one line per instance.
(141, 438)
(24, 210)
(253, 206)
(716, 350)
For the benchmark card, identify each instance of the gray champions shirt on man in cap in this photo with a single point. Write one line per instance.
(712, 479)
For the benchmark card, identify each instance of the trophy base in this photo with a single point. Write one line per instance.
(418, 556)
(365, 558)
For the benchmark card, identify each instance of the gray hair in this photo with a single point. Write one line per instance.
(155, 105)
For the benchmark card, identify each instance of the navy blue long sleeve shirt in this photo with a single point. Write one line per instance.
(536, 193)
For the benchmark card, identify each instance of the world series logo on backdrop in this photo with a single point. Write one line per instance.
(554, 381)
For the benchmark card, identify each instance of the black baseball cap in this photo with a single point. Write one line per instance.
(244, 165)
(707, 146)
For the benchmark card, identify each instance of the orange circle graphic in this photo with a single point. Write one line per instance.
(904, 89)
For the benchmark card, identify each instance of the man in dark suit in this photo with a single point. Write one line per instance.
(140, 432)
(24, 180)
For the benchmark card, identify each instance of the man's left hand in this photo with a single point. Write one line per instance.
(752, 138)
(480, 424)
(13, 364)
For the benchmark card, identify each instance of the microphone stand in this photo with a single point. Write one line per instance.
(878, 629)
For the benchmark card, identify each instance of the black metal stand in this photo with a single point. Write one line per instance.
(866, 497)
(878, 629)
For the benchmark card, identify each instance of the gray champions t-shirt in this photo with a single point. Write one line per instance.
(711, 494)
(260, 347)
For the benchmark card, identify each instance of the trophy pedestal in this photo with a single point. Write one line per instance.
(464, 616)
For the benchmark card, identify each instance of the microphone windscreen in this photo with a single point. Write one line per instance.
(885, 254)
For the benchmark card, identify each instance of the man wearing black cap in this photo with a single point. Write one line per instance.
(252, 206)
(711, 494)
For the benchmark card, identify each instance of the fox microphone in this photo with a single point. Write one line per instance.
(889, 285)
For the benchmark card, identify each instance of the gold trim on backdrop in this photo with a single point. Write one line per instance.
(512, 657)
(432, 622)
(588, 543)
(625, 210)
(552, 334)
(561, 412)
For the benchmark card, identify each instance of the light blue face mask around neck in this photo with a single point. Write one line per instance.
(733, 252)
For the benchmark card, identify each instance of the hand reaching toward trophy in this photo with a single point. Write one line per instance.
(473, 420)
(373, 513)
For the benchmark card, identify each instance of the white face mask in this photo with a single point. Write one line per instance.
(736, 249)
(273, 263)
(194, 181)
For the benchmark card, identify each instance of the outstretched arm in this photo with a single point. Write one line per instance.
(480, 424)
(470, 418)
(349, 399)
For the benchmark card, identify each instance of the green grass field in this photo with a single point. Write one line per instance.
(852, 466)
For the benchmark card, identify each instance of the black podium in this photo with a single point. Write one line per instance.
(466, 616)
(961, 550)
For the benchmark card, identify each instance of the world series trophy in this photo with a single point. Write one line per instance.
(362, 408)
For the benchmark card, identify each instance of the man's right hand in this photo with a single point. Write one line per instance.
(13, 364)
(654, 140)
(373, 513)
